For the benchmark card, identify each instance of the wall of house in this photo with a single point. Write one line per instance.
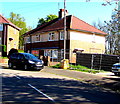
(90, 43)
(43, 37)
(14, 34)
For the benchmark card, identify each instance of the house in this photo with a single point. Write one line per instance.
(48, 39)
(9, 36)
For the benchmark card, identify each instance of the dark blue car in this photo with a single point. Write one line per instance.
(25, 60)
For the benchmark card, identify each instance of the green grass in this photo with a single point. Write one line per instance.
(20, 51)
(80, 68)
(3, 58)
(56, 66)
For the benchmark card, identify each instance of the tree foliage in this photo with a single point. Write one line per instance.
(19, 22)
(47, 19)
(112, 27)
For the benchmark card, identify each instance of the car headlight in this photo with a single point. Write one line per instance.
(32, 62)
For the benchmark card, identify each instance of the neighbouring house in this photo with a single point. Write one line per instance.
(48, 39)
(9, 36)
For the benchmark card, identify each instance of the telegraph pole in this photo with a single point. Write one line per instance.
(64, 29)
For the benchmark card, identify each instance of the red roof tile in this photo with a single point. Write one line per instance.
(82, 25)
(72, 22)
(4, 20)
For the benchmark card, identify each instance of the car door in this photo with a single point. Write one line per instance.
(21, 60)
(13, 59)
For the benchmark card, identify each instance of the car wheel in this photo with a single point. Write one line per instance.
(116, 74)
(10, 65)
(25, 67)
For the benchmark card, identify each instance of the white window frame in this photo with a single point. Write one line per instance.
(61, 35)
(51, 36)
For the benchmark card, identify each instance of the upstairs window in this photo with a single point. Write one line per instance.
(1, 27)
(37, 37)
(62, 35)
(51, 36)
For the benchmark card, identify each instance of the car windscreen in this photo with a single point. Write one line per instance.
(30, 57)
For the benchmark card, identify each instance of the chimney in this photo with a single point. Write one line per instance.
(61, 13)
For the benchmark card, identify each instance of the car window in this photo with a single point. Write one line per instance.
(117, 66)
(20, 56)
(14, 56)
(29, 56)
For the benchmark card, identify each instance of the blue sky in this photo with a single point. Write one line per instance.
(31, 11)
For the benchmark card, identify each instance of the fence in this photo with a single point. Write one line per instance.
(97, 61)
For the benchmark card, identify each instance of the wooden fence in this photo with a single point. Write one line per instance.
(97, 61)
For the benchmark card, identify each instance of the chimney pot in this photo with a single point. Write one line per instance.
(61, 13)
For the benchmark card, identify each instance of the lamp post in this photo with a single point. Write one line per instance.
(64, 29)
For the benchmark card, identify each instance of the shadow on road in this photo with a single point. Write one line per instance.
(16, 91)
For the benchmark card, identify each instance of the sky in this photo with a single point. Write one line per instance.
(33, 10)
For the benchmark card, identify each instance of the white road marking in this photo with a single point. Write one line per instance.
(17, 77)
(36, 89)
(41, 92)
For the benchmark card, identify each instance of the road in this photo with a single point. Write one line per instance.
(29, 87)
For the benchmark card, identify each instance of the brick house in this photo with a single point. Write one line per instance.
(48, 39)
(9, 36)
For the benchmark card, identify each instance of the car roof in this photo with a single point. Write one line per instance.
(23, 53)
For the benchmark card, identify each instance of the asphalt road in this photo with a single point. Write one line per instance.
(29, 87)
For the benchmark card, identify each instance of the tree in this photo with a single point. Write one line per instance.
(47, 19)
(19, 22)
(112, 28)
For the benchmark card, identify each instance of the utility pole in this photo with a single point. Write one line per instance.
(64, 29)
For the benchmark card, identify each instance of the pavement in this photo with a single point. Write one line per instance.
(106, 79)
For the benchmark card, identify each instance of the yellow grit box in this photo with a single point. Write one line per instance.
(65, 64)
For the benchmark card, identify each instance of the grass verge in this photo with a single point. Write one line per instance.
(80, 68)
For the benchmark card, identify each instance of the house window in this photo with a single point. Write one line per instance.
(62, 35)
(1, 27)
(46, 52)
(52, 53)
(51, 36)
(37, 37)
(27, 39)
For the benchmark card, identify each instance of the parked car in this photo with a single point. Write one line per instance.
(25, 60)
(116, 69)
